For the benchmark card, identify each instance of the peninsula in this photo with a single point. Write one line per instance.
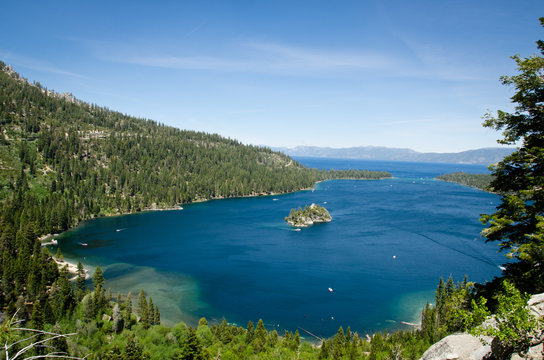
(308, 216)
(477, 181)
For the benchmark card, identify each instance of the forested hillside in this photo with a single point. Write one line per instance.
(63, 160)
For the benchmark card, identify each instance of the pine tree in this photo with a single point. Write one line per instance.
(190, 346)
(98, 278)
(250, 332)
(518, 223)
(134, 350)
(141, 303)
(296, 340)
(80, 280)
(150, 312)
(128, 308)
(58, 255)
(157, 316)
(324, 351)
(37, 317)
(260, 332)
(338, 344)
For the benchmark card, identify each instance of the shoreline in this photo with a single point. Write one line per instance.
(179, 207)
(469, 186)
(71, 267)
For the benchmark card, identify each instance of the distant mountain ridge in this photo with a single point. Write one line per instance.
(483, 156)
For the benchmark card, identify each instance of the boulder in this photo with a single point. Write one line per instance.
(536, 305)
(458, 347)
(535, 353)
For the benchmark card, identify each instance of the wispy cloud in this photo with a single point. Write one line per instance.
(255, 57)
(435, 60)
(37, 65)
(194, 30)
(321, 58)
(277, 58)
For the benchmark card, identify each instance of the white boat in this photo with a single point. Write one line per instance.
(330, 290)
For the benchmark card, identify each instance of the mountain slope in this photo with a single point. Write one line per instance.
(78, 160)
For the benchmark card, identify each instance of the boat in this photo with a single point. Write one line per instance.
(330, 290)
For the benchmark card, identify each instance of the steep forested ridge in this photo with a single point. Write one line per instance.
(78, 160)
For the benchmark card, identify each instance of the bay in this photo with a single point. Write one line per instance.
(383, 253)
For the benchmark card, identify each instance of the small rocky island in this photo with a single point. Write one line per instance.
(308, 216)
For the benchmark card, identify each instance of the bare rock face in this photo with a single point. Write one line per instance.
(458, 347)
(535, 353)
(536, 305)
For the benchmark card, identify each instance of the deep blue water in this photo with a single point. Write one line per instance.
(383, 253)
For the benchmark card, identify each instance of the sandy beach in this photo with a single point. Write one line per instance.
(72, 268)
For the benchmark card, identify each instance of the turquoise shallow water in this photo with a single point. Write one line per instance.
(383, 253)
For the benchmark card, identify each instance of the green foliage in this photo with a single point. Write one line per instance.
(519, 177)
(98, 278)
(58, 255)
(456, 309)
(468, 319)
(190, 347)
(134, 350)
(478, 181)
(514, 327)
(309, 215)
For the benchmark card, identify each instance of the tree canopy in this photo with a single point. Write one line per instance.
(518, 223)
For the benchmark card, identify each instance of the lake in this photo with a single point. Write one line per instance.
(382, 255)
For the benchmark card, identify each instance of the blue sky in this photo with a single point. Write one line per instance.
(412, 74)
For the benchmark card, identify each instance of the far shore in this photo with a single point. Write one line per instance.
(179, 207)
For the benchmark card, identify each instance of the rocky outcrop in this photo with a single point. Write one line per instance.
(468, 347)
(536, 305)
(458, 347)
(308, 216)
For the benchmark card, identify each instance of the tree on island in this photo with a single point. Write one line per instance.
(307, 216)
(518, 223)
